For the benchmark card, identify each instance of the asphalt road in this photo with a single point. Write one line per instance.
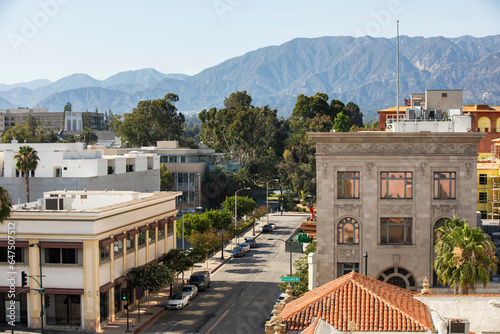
(242, 292)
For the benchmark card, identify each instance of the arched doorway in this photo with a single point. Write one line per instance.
(399, 277)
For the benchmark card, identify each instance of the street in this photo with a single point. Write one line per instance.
(242, 293)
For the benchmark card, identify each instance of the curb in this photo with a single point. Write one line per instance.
(148, 321)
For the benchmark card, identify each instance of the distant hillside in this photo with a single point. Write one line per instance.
(361, 70)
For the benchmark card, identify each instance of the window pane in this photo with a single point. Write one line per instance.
(396, 234)
(348, 233)
(52, 255)
(69, 255)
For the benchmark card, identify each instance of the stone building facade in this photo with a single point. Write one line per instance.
(382, 194)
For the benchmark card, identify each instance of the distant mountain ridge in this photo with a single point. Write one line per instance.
(361, 70)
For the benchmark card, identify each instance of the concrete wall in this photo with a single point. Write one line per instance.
(443, 99)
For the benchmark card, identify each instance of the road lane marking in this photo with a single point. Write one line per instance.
(217, 322)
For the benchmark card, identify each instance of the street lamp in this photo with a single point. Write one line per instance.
(41, 282)
(290, 251)
(222, 247)
(366, 263)
(267, 196)
(236, 212)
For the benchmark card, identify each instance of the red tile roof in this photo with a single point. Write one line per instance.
(373, 305)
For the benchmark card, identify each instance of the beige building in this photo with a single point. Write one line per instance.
(382, 195)
(86, 241)
(50, 120)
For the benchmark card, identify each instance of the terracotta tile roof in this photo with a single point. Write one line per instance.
(312, 327)
(373, 305)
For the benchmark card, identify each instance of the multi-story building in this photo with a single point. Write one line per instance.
(382, 194)
(443, 111)
(77, 121)
(83, 243)
(70, 166)
(50, 120)
(188, 166)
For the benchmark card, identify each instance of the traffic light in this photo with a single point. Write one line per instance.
(24, 278)
(47, 301)
(124, 294)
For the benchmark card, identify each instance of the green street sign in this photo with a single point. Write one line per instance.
(290, 279)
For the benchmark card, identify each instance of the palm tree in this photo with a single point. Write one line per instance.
(215, 185)
(88, 136)
(27, 161)
(465, 255)
(5, 205)
(240, 179)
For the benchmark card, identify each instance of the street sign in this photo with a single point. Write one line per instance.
(290, 279)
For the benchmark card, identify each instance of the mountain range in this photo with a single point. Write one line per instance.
(361, 70)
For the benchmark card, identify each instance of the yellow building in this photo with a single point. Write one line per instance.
(488, 184)
(83, 242)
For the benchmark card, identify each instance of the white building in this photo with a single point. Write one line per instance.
(70, 166)
(86, 242)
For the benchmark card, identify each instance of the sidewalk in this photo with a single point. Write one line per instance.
(214, 263)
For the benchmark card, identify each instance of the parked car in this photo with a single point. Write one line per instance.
(267, 228)
(244, 247)
(251, 242)
(237, 252)
(190, 290)
(201, 279)
(273, 225)
(178, 301)
(281, 297)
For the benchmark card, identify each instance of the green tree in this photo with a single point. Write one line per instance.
(151, 277)
(301, 267)
(355, 115)
(215, 185)
(241, 129)
(178, 260)
(5, 205)
(239, 179)
(245, 205)
(166, 178)
(67, 107)
(464, 255)
(204, 242)
(86, 122)
(152, 121)
(20, 132)
(26, 162)
(203, 222)
(341, 123)
(88, 136)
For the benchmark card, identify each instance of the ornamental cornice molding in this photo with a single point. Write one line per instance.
(392, 137)
(396, 209)
(402, 147)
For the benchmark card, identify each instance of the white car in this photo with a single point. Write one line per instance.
(178, 301)
(190, 290)
(244, 247)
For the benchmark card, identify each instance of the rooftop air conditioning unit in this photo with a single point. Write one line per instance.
(458, 326)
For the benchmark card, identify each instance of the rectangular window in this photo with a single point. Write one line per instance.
(64, 310)
(118, 247)
(396, 185)
(346, 268)
(141, 240)
(348, 185)
(395, 231)
(483, 179)
(61, 256)
(445, 185)
(484, 214)
(16, 254)
(483, 197)
(161, 232)
(104, 253)
(151, 236)
(130, 243)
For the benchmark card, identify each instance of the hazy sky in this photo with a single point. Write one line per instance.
(49, 39)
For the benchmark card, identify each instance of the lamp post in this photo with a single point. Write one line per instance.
(41, 282)
(290, 251)
(222, 247)
(267, 196)
(236, 213)
(366, 263)
(281, 196)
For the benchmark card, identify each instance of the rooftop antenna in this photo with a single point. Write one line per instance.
(397, 79)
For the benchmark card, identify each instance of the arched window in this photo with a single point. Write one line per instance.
(484, 124)
(498, 124)
(348, 231)
(399, 277)
(69, 125)
(74, 125)
(438, 224)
